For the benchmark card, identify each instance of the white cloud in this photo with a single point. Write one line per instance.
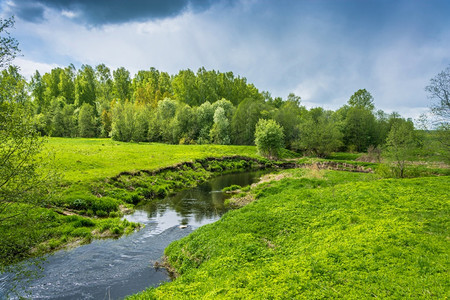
(29, 67)
(69, 14)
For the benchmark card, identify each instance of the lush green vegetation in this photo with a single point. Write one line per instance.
(320, 234)
(82, 160)
(96, 179)
(189, 108)
(39, 230)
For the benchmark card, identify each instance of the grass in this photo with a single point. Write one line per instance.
(40, 230)
(86, 160)
(321, 234)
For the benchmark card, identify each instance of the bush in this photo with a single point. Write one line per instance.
(269, 138)
(231, 188)
(101, 213)
(113, 214)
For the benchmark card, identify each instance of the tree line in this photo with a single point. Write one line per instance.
(188, 108)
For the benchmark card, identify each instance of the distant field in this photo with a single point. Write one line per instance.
(91, 159)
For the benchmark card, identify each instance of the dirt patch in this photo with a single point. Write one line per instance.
(241, 201)
(125, 210)
(271, 177)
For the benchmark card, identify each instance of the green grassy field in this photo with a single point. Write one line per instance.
(85, 160)
(321, 234)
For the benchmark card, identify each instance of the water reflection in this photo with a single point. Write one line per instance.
(196, 206)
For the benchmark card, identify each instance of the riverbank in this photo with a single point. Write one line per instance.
(100, 180)
(117, 268)
(320, 233)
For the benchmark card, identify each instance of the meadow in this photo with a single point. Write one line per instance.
(320, 234)
(87, 160)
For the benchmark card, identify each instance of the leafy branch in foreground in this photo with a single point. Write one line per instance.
(9, 47)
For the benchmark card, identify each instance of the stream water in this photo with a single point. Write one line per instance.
(113, 269)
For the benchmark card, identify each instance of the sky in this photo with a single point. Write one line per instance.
(321, 50)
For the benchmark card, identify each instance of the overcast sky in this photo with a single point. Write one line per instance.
(322, 50)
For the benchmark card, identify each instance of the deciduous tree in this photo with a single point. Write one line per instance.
(400, 145)
(269, 138)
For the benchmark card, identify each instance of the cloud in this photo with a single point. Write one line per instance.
(28, 67)
(323, 54)
(101, 12)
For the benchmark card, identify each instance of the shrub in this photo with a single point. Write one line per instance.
(269, 138)
(113, 214)
(101, 213)
(231, 188)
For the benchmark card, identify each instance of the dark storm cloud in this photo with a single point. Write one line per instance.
(100, 12)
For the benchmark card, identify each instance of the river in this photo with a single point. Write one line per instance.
(113, 269)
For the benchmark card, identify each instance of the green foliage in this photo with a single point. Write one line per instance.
(319, 133)
(78, 199)
(21, 175)
(231, 188)
(401, 143)
(439, 91)
(220, 130)
(269, 138)
(244, 121)
(326, 235)
(362, 99)
(289, 116)
(85, 86)
(87, 121)
(40, 230)
(121, 87)
(122, 123)
(9, 47)
(359, 129)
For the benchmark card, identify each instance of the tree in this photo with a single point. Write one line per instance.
(244, 121)
(122, 84)
(66, 84)
(37, 88)
(184, 125)
(359, 128)
(122, 121)
(85, 86)
(289, 115)
(319, 133)
(166, 111)
(205, 120)
(20, 143)
(269, 138)
(141, 120)
(185, 88)
(362, 99)
(400, 145)
(87, 123)
(439, 89)
(13, 86)
(221, 128)
(9, 47)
